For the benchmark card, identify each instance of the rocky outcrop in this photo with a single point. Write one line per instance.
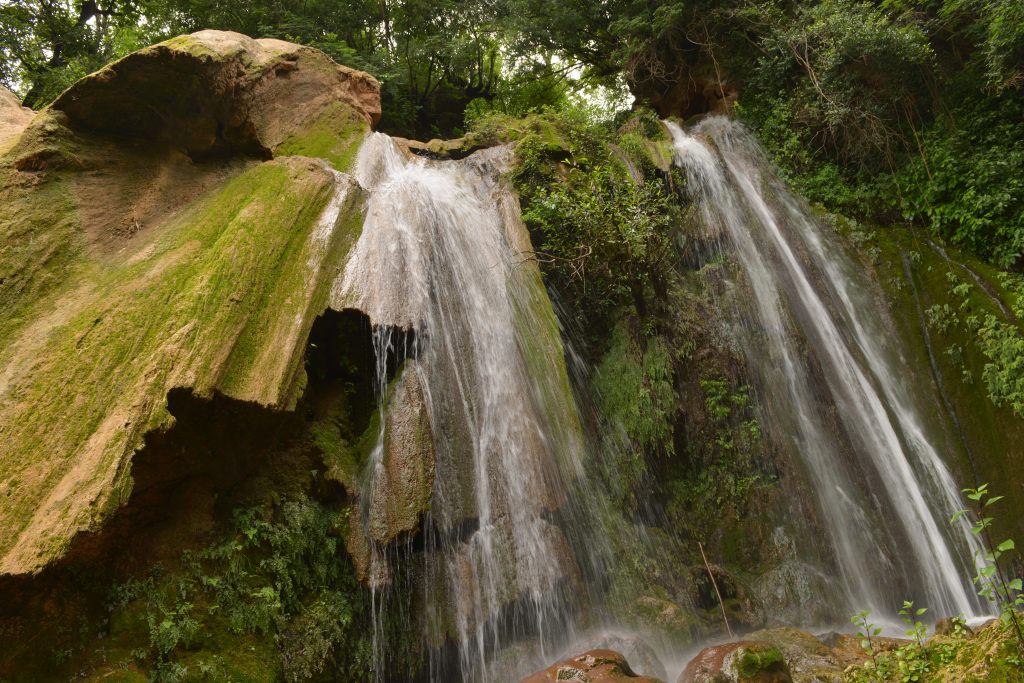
(781, 655)
(143, 248)
(217, 92)
(738, 662)
(593, 666)
(401, 493)
(392, 505)
(641, 656)
(454, 148)
(14, 118)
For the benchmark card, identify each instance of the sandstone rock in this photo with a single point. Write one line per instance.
(402, 492)
(456, 148)
(14, 118)
(402, 489)
(593, 666)
(642, 656)
(147, 248)
(808, 658)
(217, 92)
(744, 661)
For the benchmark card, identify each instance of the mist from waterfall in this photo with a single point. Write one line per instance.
(832, 385)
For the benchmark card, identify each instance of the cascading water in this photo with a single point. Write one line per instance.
(815, 337)
(505, 541)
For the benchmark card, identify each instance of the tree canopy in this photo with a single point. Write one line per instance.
(879, 108)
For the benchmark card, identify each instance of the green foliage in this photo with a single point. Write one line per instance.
(960, 656)
(724, 470)
(834, 55)
(866, 632)
(283, 577)
(1003, 344)
(634, 384)
(895, 109)
(316, 636)
(603, 234)
(990, 578)
(915, 627)
(967, 185)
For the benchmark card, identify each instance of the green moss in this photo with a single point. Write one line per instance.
(188, 45)
(343, 454)
(335, 135)
(223, 299)
(39, 224)
(754, 660)
(635, 389)
(940, 312)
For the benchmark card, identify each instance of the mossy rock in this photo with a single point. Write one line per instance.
(220, 300)
(761, 663)
(145, 247)
(217, 92)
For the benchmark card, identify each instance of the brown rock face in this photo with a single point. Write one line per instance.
(593, 666)
(402, 492)
(217, 92)
(781, 655)
(402, 489)
(13, 117)
(742, 661)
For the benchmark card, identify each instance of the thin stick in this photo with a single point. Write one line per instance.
(715, 585)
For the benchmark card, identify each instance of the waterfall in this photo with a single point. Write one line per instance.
(443, 255)
(832, 384)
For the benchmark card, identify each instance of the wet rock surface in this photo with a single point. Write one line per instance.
(781, 655)
(593, 666)
(744, 661)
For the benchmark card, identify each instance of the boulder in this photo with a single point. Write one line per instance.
(217, 93)
(781, 655)
(744, 661)
(738, 662)
(593, 666)
(14, 118)
(808, 658)
(636, 650)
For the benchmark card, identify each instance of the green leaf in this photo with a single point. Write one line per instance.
(993, 500)
(1006, 545)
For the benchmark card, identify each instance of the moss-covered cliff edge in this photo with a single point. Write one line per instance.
(136, 261)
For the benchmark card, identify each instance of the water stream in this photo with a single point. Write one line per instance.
(515, 545)
(442, 253)
(834, 385)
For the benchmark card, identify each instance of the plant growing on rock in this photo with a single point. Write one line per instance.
(866, 632)
(992, 583)
(915, 628)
